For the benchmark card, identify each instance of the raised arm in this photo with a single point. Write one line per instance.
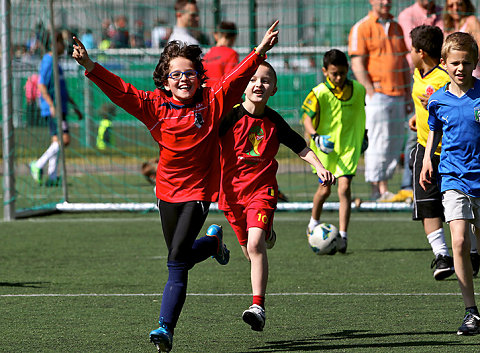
(134, 101)
(229, 89)
(80, 54)
(269, 39)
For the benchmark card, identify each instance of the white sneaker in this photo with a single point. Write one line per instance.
(255, 317)
(270, 241)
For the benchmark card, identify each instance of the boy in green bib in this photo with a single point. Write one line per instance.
(334, 117)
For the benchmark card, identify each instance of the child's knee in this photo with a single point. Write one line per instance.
(323, 192)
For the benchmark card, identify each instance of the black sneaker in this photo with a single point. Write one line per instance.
(443, 267)
(270, 241)
(475, 258)
(342, 244)
(470, 325)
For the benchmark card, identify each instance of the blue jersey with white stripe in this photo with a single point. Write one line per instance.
(459, 120)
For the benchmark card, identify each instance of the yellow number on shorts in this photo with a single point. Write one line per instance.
(263, 218)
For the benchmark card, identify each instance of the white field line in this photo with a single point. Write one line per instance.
(227, 294)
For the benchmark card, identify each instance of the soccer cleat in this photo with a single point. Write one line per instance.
(223, 254)
(342, 244)
(309, 231)
(162, 338)
(443, 267)
(470, 325)
(255, 317)
(475, 259)
(270, 241)
(36, 173)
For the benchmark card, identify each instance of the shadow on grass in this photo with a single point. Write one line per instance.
(404, 249)
(340, 341)
(24, 284)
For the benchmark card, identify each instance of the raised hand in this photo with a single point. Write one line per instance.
(269, 40)
(80, 54)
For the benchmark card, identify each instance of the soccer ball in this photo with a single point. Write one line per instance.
(323, 239)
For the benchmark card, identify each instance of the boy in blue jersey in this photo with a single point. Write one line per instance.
(48, 107)
(454, 112)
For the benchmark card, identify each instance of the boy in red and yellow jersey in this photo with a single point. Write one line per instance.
(250, 137)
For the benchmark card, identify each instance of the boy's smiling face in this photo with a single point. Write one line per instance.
(183, 89)
(261, 86)
(460, 65)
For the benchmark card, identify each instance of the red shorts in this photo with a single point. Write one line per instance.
(256, 214)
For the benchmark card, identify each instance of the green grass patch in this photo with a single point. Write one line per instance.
(93, 283)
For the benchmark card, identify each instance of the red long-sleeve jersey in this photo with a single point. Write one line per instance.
(186, 132)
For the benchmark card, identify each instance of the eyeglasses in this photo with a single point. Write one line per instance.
(177, 75)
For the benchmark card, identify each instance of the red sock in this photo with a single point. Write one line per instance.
(259, 300)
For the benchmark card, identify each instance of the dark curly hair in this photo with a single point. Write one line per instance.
(177, 49)
(429, 39)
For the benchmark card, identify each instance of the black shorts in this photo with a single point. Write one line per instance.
(53, 127)
(426, 203)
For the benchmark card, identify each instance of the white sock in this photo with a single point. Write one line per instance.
(473, 239)
(313, 223)
(52, 167)
(51, 151)
(343, 234)
(437, 242)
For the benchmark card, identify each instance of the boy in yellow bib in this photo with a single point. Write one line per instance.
(334, 117)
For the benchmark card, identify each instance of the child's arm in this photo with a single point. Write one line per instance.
(433, 140)
(412, 123)
(229, 89)
(80, 54)
(125, 95)
(308, 124)
(75, 108)
(325, 176)
(44, 93)
(269, 40)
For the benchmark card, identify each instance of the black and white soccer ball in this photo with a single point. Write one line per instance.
(323, 239)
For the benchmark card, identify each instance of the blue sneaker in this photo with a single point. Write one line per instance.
(162, 338)
(223, 254)
(36, 173)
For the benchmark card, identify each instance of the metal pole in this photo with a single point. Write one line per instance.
(7, 116)
(58, 100)
(252, 19)
(216, 14)
(87, 103)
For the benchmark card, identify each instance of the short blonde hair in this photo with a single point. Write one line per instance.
(460, 41)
